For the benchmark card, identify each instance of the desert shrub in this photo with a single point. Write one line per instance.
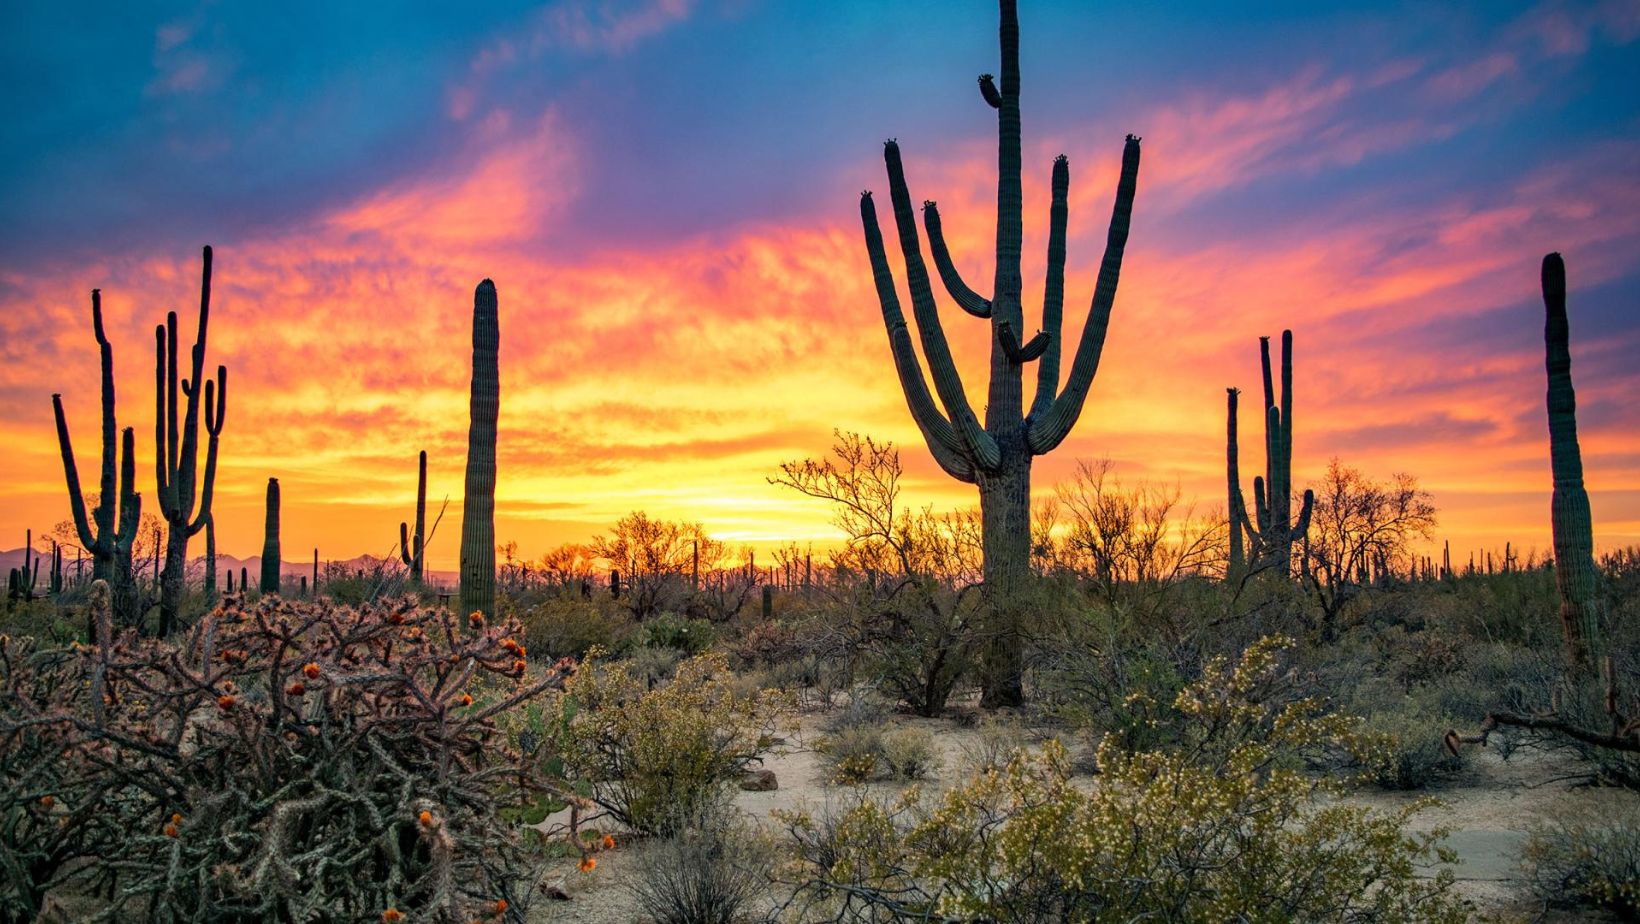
(996, 744)
(852, 754)
(42, 620)
(1406, 748)
(909, 754)
(669, 630)
(1224, 828)
(654, 756)
(1588, 859)
(653, 666)
(568, 625)
(711, 871)
(290, 759)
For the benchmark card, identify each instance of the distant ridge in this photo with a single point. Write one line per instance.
(13, 558)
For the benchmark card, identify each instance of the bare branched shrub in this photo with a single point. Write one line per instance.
(712, 871)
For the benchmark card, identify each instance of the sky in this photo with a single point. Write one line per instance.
(666, 195)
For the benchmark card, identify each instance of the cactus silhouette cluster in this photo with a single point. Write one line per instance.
(1569, 504)
(478, 507)
(1270, 532)
(176, 446)
(20, 582)
(996, 456)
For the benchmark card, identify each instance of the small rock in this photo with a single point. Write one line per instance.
(759, 781)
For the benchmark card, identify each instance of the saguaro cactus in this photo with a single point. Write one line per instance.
(210, 561)
(270, 541)
(997, 456)
(411, 546)
(1271, 539)
(176, 454)
(1569, 505)
(478, 505)
(109, 541)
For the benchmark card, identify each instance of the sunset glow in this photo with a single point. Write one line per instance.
(664, 192)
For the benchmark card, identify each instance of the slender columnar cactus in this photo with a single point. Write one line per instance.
(996, 456)
(270, 541)
(478, 505)
(316, 572)
(1569, 505)
(108, 540)
(176, 446)
(210, 562)
(1236, 505)
(411, 546)
(56, 568)
(1271, 538)
(28, 575)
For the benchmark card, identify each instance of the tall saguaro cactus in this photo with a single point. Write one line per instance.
(478, 505)
(176, 452)
(1569, 505)
(108, 540)
(1270, 539)
(411, 546)
(270, 541)
(997, 456)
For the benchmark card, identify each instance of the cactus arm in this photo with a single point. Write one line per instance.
(1303, 525)
(1053, 289)
(1262, 511)
(188, 465)
(1017, 353)
(988, 90)
(1285, 495)
(1050, 428)
(966, 298)
(942, 439)
(164, 448)
(947, 383)
(1010, 231)
(130, 499)
(1236, 513)
(216, 409)
(404, 544)
(103, 515)
(71, 472)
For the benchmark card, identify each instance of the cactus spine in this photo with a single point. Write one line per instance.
(478, 504)
(1569, 505)
(270, 541)
(997, 456)
(1270, 540)
(176, 454)
(411, 546)
(109, 541)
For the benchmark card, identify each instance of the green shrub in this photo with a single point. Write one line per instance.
(852, 754)
(669, 630)
(654, 756)
(1406, 748)
(569, 625)
(909, 754)
(1589, 859)
(1224, 828)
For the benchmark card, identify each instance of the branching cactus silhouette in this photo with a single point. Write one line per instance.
(1270, 532)
(411, 546)
(176, 446)
(996, 455)
(1569, 505)
(478, 506)
(110, 531)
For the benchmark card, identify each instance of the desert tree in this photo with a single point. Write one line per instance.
(1357, 526)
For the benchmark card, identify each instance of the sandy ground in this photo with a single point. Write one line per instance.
(1489, 808)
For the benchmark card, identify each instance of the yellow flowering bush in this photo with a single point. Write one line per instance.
(653, 756)
(1225, 826)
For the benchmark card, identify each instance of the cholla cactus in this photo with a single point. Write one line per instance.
(284, 760)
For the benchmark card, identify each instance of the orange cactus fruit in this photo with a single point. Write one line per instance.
(426, 818)
(609, 842)
(476, 619)
(466, 699)
(311, 670)
(500, 906)
(519, 666)
(588, 864)
(392, 916)
(396, 619)
(47, 801)
(296, 689)
(170, 830)
(225, 702)
(176, 818)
